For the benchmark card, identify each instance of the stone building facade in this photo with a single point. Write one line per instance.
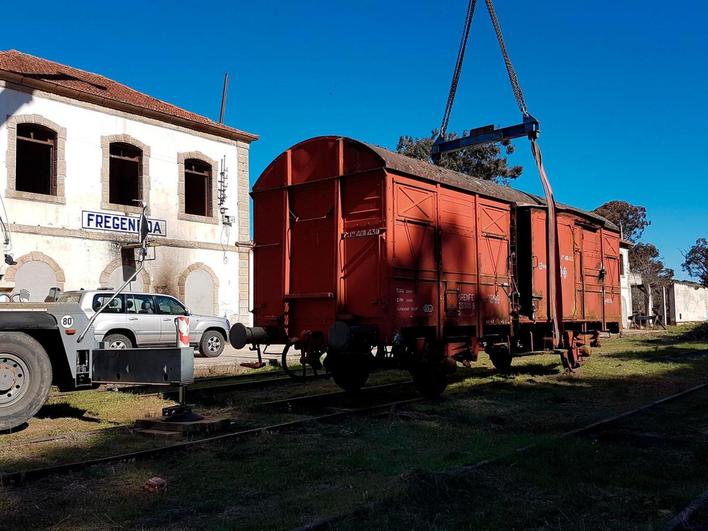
(80, 152)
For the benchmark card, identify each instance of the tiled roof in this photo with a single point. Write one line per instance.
(42, 74)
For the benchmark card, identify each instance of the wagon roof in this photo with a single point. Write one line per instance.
(419, 168)
(388, 160)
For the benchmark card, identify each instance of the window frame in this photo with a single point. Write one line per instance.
(212, 212)
(108, 295)
(137, 160)
(133, 296)
(205, 178)
(178, 303)
(58, 163)
(144, 182)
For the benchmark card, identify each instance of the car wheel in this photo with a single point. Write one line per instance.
(212, 344)
(117, 342)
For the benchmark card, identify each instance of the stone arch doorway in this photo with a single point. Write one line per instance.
(37, 273)
(116, 273)
(199, 289)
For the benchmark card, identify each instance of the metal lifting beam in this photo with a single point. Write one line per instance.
(530, 128)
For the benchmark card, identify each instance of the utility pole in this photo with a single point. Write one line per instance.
(223, 98)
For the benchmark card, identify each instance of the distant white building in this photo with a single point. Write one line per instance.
(626, 282)
(77, 153)
(687, 302)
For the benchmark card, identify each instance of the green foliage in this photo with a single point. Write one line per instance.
(632, 218)
(695, 261)
(484, 162)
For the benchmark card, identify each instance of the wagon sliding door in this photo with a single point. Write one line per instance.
(612, 302)
(361, 247)
(592, 277)
(311, 256)
(494, 279)
(415, 273)
(459, 258)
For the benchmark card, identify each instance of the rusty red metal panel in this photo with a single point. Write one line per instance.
(268, 255)
(458, 258)
(359, 157)
(568, 263)
(312, 213)
(592, 278)
(493, 222)
(315, 160)
(414, 290)
(273, 176)
(613, 297)
(539, 265)
(362, 247)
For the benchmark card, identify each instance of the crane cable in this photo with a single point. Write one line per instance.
(555, 299)
(458, 68)
(515, 85)
(555, 305)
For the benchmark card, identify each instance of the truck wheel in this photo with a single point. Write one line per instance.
(212, 344)
(25, 378)
(117, 342)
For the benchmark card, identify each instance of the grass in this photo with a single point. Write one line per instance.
(401, 469)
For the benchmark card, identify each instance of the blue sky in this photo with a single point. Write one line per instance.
(620, 88)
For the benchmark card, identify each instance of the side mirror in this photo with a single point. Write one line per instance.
(187, 312)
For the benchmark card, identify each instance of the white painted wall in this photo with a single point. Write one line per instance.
(625, 288)
(688, 303)
(84, 260)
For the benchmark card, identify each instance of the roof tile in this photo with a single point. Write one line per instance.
(35, 69)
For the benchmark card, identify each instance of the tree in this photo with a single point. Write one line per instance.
(695, 261)
(644, 259)
(484, 162)
(632, 219)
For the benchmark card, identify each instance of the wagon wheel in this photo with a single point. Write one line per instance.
(303, 369)
(500, 356)
(429, 378)
(350, 370)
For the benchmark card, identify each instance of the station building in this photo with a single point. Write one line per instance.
(79, 152)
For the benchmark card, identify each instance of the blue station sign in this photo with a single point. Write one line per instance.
(120, 223)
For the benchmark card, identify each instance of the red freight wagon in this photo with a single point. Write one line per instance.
(369, 257)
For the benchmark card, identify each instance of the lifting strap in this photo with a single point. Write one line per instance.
(555, 300)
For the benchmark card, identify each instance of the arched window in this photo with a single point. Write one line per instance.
(125, 175)
(36, 159)
(197, 188)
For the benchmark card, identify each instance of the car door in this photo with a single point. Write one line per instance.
(143, 319)
(169, 309)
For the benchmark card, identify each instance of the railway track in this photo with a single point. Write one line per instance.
(591, 429)
(19, 477)
(331, 411)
